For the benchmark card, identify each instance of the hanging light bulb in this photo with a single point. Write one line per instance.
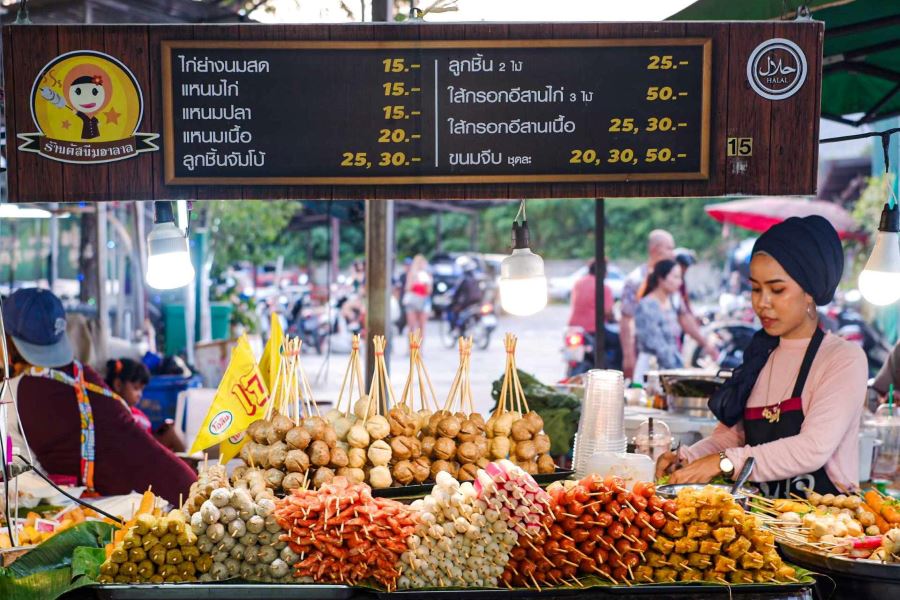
(168, 256)
(523, 285)
(879, 282)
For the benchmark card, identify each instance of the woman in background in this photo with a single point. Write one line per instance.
(417, 294)
(128, 378)
(656, 320)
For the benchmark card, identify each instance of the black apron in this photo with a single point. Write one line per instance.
(763, 425)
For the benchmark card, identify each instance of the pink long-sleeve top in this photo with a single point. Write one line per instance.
(832, 402)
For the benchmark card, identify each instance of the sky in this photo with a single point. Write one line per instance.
(486, 10)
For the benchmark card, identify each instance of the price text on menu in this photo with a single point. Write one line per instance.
(436, 112)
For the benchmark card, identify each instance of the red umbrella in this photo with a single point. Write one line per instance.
(758, 214)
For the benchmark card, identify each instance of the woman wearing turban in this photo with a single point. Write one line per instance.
(795, 403)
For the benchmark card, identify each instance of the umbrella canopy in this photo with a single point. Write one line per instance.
(758, 214)
(861, 62)
(756, 10)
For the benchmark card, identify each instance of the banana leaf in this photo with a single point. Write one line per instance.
(559, 410)
(57, 565)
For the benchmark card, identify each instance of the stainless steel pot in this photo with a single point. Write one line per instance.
(671, 491)
(688, 390)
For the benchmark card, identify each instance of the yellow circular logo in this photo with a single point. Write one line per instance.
(88, 107)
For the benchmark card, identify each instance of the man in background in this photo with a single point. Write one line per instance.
(584, 301)
(660, 246)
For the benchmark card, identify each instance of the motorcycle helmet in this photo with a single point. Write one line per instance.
(466, 264)
(685, 257)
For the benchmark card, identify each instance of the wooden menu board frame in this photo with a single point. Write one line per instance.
(782, 133)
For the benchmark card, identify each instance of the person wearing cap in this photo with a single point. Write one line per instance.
(795, 403)
(79, 431)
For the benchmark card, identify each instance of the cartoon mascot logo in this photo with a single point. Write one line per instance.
(87, 106)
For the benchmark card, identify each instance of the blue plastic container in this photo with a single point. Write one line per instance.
(160, 397)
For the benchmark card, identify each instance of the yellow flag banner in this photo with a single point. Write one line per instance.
(271, 356)
(240, 399)
(268, 367)
(231, 447)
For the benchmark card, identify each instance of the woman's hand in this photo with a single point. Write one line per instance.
(666, 463)
(701, 470)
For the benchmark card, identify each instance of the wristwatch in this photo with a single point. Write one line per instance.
(725, 465)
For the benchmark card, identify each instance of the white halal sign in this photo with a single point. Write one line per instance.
(777, 69)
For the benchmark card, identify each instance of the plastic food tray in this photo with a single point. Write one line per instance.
(858, 575)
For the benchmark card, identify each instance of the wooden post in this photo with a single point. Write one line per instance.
(379, 260)
(600, 276)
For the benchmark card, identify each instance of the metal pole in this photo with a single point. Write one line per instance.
(439, 232)
(139, 261)
(121, 256)
(382, 10)
(14, 236)
(53, 273)
(379, 259)
(100, 275)
(335, 250)
(600, 276)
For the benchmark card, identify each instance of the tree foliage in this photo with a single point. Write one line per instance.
(249, 230)
(867, 212)
(564, 229)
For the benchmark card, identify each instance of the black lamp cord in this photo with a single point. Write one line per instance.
(6, 481)
(68, 495)
(885, 143)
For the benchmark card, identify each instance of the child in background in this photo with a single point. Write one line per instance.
(128, 378)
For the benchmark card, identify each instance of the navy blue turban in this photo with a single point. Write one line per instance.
(809, 249)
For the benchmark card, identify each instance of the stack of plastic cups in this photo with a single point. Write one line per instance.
(602, 424)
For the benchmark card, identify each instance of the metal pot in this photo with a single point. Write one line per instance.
(688, 390)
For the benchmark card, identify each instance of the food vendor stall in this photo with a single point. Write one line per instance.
(424, 112)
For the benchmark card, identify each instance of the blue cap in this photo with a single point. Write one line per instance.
(36, 321)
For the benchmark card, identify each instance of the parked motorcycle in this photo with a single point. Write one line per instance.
(732, 334)
(846, 322)
(478, 320)
(308, 323)
(578, 349)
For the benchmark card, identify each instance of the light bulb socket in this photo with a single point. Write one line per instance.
(520, 236)
(164, 213)
(890, 218)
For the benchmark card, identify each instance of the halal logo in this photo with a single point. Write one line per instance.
(777, 69)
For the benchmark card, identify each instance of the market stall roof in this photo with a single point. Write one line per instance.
(861, 63)
(758, 214)
(756, 10)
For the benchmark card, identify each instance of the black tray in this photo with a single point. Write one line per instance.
(222, 591)
(794, 591)
(420, 490)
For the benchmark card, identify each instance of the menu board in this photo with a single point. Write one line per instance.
(288, 112)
